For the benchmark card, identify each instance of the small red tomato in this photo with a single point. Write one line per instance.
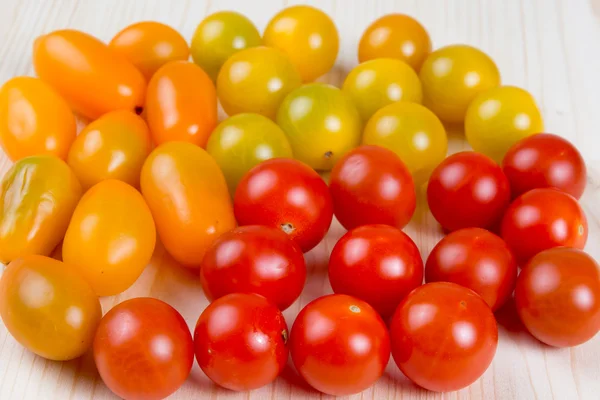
(285, 194)
(444, 336)
(466, 190)
(541, 219)
(545, 160)
(339, 344)
(143, 349)
(240, 341)
(378, 264)
(558, 297)
(476, 259)
(371, 185)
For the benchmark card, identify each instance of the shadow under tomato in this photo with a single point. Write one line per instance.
(299, 385)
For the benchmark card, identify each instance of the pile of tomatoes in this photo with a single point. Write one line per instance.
(241, 201)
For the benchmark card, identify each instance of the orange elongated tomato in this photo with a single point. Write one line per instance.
(181, 104)
(90, 76)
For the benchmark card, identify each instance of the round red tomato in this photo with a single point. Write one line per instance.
(378, 264)
(339, 345)
(240, 341)
(444, 336)
(545, 160)
(143, 349)
(476, 259)
(558, 297)
(285, 194)
(371, 185)
(466, 190)
(541, 219)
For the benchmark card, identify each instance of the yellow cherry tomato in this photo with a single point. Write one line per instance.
(321, 123)
(500, 117)
(219, 36)
(111, 237)
(377, 83)
(452, 76)
(307, 36)
(38, 196)
(256, 80)
(413, 132)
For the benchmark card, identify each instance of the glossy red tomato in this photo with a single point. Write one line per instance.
(444, 336)
(466, 190)
(143, 349)
(476, 259)
(558, 297)
(378, 264)
(240, 341)
(285, 194)
(545, 160)
(371, 185)
(541, 219)
(339, 344)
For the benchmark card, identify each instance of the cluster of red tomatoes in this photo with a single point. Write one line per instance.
(154, 161)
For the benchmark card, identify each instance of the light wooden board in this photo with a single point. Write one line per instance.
(550, 47)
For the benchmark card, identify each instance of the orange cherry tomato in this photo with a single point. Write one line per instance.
(34, 119)
(91, 77)
(114, 146)
(181, 104)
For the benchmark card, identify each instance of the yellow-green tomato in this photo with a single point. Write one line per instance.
(244, 140)
(377, 83)
(500, 117)
(321, 123)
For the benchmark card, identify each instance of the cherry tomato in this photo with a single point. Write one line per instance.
(307, 36)
(181, 104)
(444, 336)
(48, 307)
(288, 195)
(468, 190)
(321, 124)
(240, 341)
(143, 349)
(558, 297)
(254, 259)
(111, 237)
(371, 185)
(452, 76)
(545, 160)
(395, 36)
(541, 219)
(476, 259)
(411, 131)
(91, 77)
(256, 80)
(339, 345)
(188, 197)
(219, 36)
(114, 146)
(34, 119)
(378, 264)
(37, 199)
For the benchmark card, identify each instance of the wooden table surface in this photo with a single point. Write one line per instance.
(549, 47)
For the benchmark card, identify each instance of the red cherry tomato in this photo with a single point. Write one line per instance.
(240, 341)
(339, 344)
(444, 336)
(558, 297)
(541, 219)
(285, 194)
(476, 259)
(545, 160)
(466, 190)
(143, 349)
(378, 264)
(371, 185)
